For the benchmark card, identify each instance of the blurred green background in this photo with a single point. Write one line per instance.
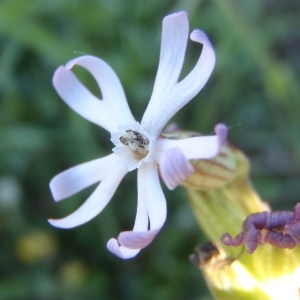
(254, 89)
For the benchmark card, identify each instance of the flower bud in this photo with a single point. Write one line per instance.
(222, 197)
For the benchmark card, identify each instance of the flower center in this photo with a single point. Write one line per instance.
(137, 142)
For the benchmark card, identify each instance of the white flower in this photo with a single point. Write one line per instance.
(136, 145)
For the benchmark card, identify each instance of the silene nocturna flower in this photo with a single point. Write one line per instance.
(137, 145)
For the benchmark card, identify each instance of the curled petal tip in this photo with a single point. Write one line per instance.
(208, 51)
(197, 35)
(222, 131)
(120, 251)
(137, 239)
(174, 167)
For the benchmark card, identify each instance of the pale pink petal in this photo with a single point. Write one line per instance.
(121, 251)
(151, 193)
(96, 202)
(81, 100)
(150, 188)
(173, 46)
(175, 30)
(202, 147)
(110, 86)
(106, 113)
(174, 167)
(75, 179)
(192, 84)
(141, 223)
(137, 239)
(173, 98)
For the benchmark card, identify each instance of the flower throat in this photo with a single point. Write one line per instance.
(137, 142)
